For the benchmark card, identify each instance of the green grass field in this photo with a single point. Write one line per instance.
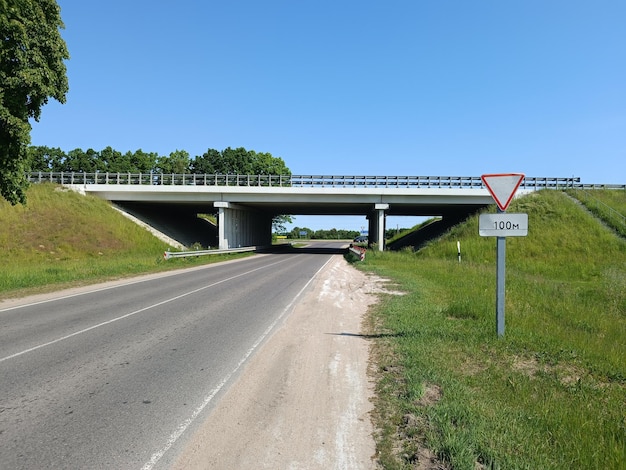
(61, 238)
(610, 206)
(551, 394)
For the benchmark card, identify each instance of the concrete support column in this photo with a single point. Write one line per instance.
(239, 226)
(372, 229)
(380, 224)
(221, 226)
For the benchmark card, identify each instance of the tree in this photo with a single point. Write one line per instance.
(239, 161)
(266, 164)
(87, 161)
(177, 162)
(279, 223)
(142, 162)
(32, 70)
(297, 231)
(114, 161)
(41, 158)
(206, 163)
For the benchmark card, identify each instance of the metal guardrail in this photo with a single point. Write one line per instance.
(303, 181)
(185, 254)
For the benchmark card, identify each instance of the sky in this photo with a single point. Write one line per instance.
(406, 87)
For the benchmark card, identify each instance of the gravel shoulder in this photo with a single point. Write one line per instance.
(304, 400)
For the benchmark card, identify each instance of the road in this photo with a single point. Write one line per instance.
(120, 376)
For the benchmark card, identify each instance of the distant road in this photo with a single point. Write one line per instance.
(118, 378)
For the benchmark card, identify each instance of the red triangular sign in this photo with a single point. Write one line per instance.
(503, 187)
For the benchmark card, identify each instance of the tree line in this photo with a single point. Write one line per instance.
(332, 234)
(227, 162)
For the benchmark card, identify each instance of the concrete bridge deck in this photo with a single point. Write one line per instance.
(246, 204)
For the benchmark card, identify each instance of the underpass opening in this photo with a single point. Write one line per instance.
(250, 225)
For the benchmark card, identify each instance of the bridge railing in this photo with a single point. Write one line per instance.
(302, 181)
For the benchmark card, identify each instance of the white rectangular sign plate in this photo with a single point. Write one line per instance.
(503, 225)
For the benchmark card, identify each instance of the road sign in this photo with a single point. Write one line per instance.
(503, 187)
(503, 225)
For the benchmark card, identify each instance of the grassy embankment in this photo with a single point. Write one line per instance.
(551, 394)
(61, 238)
(610, 206)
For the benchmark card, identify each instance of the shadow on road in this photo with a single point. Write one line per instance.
(372, 336)
(311, 250)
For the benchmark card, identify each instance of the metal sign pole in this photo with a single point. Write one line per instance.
(500, 276)
(500, 282)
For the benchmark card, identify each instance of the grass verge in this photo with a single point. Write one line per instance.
(63, 239)
(551, 394)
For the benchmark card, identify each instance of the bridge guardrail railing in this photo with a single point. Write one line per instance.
(302, 181)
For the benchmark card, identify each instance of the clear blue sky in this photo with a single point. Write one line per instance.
(408, 87)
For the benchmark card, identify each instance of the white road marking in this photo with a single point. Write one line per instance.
(113, 320)
(185, 424)
(144, 278)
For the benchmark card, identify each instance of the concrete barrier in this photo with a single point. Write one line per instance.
(358, 251)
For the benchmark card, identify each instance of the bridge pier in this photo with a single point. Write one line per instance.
(239, 226)
(376, 229)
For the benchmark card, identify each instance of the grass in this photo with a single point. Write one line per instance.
(609, 205)
(551, 394)
(61, 238)
(406, 232)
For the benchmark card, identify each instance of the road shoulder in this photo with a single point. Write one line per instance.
(304, 400)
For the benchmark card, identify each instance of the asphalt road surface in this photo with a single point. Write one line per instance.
(119, 377)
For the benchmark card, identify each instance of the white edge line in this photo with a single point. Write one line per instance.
(43, 345)
(120, 283)
(185, 424)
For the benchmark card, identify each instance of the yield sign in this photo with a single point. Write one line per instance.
(502, 187)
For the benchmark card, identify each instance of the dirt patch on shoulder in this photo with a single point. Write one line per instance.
(432, 394)
(304, 400)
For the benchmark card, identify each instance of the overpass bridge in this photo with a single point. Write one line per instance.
(246, 204)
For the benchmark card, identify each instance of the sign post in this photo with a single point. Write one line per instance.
(502, 188)
(500, 283)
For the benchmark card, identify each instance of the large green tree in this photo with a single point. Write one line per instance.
(88, 161)
(42, 158)
(239, 161)
(142, 162)
(32, 70)
(176, 162)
